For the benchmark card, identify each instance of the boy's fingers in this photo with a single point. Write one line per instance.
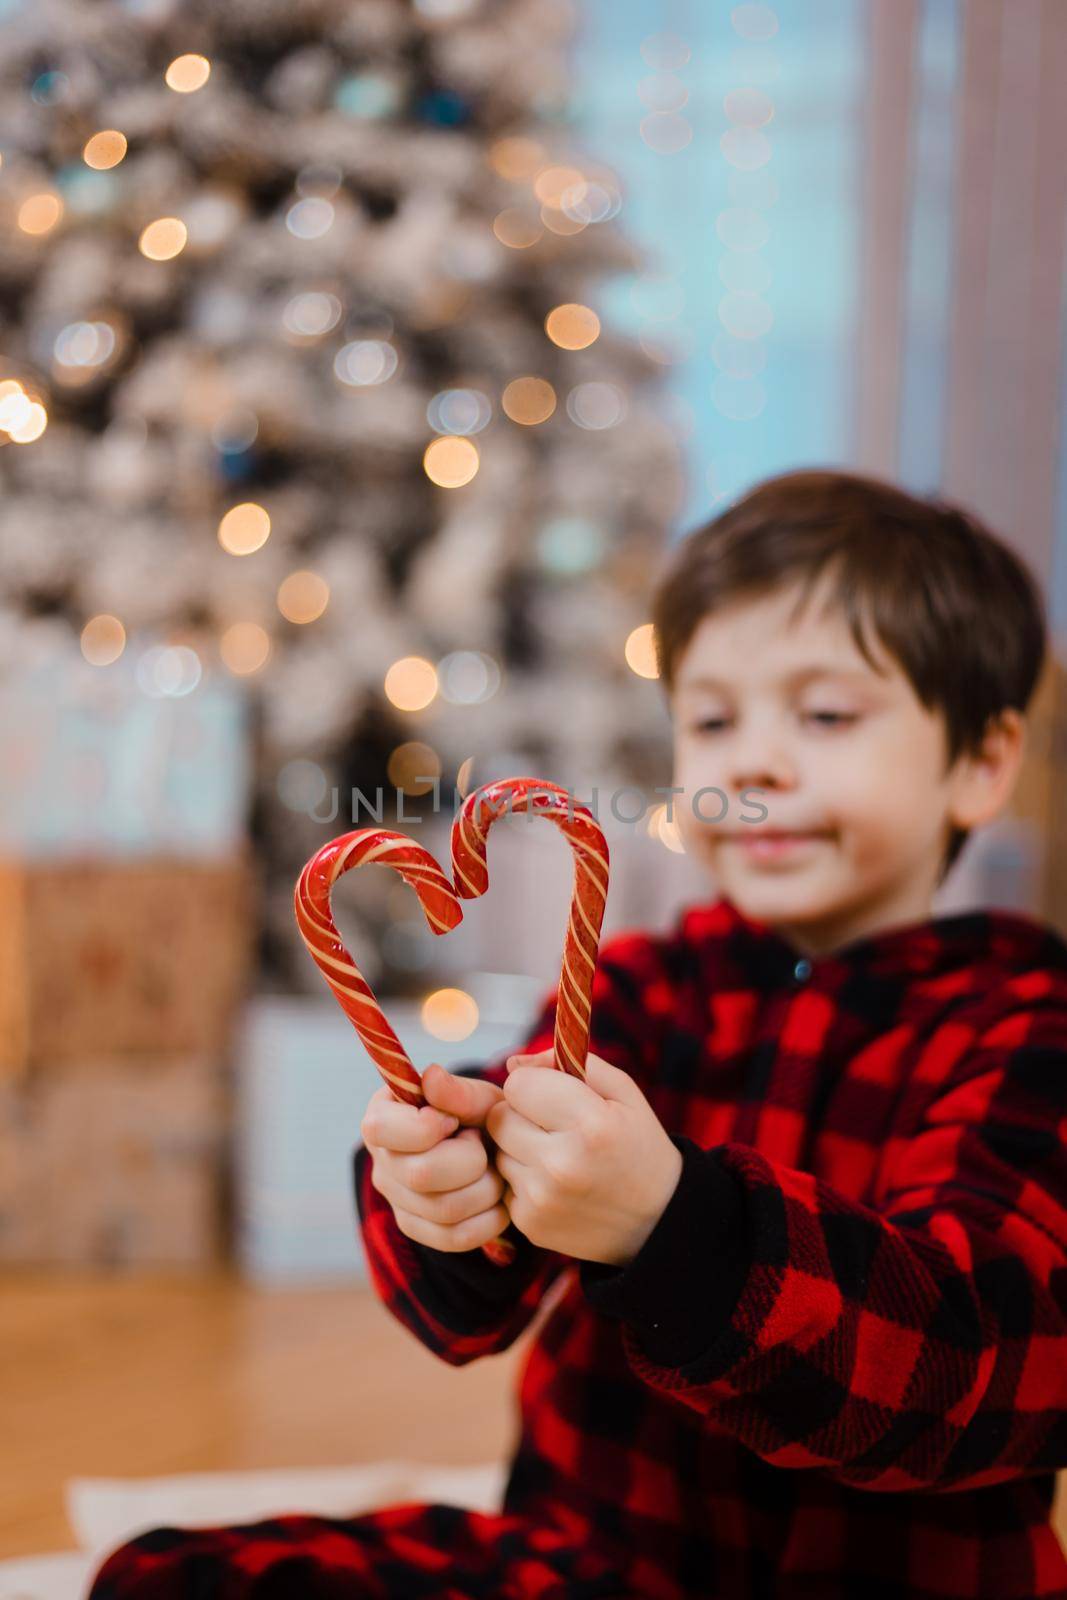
(395, 1125)
(467, 1099)
(541, 1058)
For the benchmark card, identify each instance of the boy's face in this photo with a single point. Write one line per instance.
(843, 756)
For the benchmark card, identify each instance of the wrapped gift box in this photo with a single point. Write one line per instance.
(116, 1165)
(95, 763)
(124, 958)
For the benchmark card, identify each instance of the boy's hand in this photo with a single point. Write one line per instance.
(443, 1190)
(589, 1167)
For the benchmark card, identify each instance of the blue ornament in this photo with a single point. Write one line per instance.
(237, 465)
(49, 87)
(444, 108)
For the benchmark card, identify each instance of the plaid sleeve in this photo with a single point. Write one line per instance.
(919, 1345)
(459, 1304)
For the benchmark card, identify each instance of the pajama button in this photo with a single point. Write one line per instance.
(802, 969)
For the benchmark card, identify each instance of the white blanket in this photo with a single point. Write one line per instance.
(105, 1512)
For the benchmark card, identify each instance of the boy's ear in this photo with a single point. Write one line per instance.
(983, 780)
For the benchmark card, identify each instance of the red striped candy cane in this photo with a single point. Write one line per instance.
(441, 906)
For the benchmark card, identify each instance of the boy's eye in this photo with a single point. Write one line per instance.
(830, 717)
(825, 718)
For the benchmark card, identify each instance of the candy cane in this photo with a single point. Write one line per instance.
(441, 907)
(470, 832)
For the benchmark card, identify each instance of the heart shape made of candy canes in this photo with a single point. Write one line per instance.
(440, 901)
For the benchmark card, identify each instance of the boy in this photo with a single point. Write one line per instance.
(808, 1211)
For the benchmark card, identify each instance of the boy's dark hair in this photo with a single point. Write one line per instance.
(958, 609)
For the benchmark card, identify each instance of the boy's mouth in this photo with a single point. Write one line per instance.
(765, 844)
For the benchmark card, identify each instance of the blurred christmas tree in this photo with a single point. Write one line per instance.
(298, 371)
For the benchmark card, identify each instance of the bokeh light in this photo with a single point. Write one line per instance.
(168, 671)
(516, 158)
(365, 361)
(572, 327)
(551, 183)
(411, 683)
(528, 400)
(596, 405)
(81, 348)
(39, 213)
(462, 411)
(29, 422)
(467, 677)
(662, 92)
(755, 22)
(105, 149)
(666, 830)
(449, 1014)
(245, 647)
(163, 239)
(303, 597)
(750, 108)
(244, 529)
(310, 219)
(187, 73)
(413, 766)
(103, 639)
(640, 652)
(516, 228)
(665, 51)
(450, 462)
(310, 315)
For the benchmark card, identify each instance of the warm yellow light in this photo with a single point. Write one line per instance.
(553, 182)
(15, 405)
(516, 158)
(303, 597)
(528, 400)
(40, 212)
(244, 528)
(163, 239)
(450, 1014)
(411, 683)
(103, 640)
(572, 327)
(188, 73)
(30, 425)
(105, 149)
(413, 767)
(245, 647)
(666, 830)
(517, 229)
(450, 462)
(641, 652)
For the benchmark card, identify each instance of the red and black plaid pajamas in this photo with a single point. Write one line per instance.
(838, 1365)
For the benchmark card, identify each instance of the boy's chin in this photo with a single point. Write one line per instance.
(775, 895)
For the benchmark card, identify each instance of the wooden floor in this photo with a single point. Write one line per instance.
(151, 1375)
(145, 1376)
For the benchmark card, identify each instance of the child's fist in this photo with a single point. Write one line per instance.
(443, 1190)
